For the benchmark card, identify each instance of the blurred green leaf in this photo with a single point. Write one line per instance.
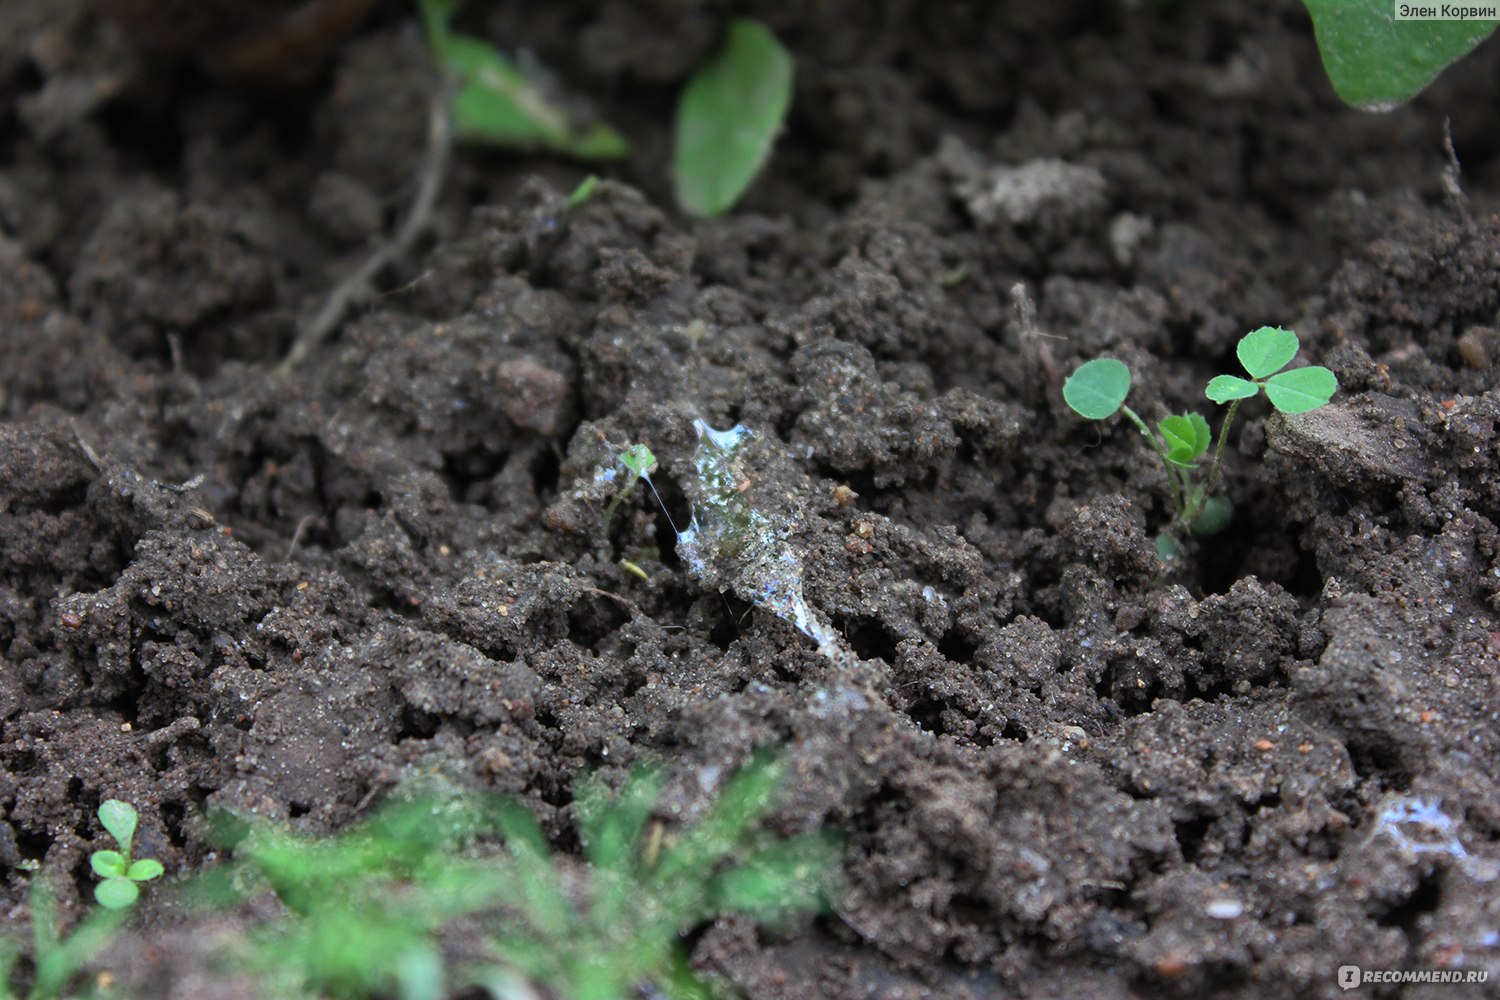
(116, 893)
(728, 117)
(144, 870)
(1187, 437)
(108, 864)
(499, 104)
(1375, 61)
(1301, 389)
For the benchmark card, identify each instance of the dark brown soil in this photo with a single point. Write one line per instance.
(1063, 767)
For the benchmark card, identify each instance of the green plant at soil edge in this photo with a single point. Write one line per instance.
(1097, 389)
(121, 873)
(497, 103)
(727, 118)
(56, 959)
(1375, 61)
(368, 908)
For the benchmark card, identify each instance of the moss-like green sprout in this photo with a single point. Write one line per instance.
(1097, 391)
(120, 873)
(368, 911)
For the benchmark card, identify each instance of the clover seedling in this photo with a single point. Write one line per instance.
(120, 874)
(640, 462)
(1097, 391)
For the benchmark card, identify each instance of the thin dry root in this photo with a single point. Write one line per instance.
(358, 287)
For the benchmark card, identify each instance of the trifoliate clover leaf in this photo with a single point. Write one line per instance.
(1266, 350)
(1098, 388)
(1301, 389)
(1223, 388)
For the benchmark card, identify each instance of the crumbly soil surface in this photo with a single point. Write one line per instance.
(1063, 767)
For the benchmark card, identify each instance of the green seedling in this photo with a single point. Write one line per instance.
(639, 463)
(646, 886)
(498, 103)
(120, 873)
(1097, 391)
(1376, 61)
(369, 909)
(56, 960)
(728, 117)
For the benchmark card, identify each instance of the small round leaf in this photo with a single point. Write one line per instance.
(1215, 516)
(1223, 388)
(144, 870)
(1098, 388)
(1301, 389)
(107, 864)
(119, 819)
(1266, 350)
(116, 893)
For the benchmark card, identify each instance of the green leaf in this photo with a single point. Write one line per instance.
(108, 864)
(1215, 516)
(728, 117)
(1301, 389)
(1167, 548)
(144, 870)
(539, 887)
(638, 459)
(116, 893)
(1098, 388)
(58, 959)
(1376, 61)
(497, 103)
(610, 827)
(1223, 388)
(584, 191)
(436, 14)
(119, 819)
(1187, 437)
(726, 825)
(1266, 350)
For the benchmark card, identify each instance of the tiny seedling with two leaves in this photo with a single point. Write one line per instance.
(1097, 391)
(639, 462)
(122, 875)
